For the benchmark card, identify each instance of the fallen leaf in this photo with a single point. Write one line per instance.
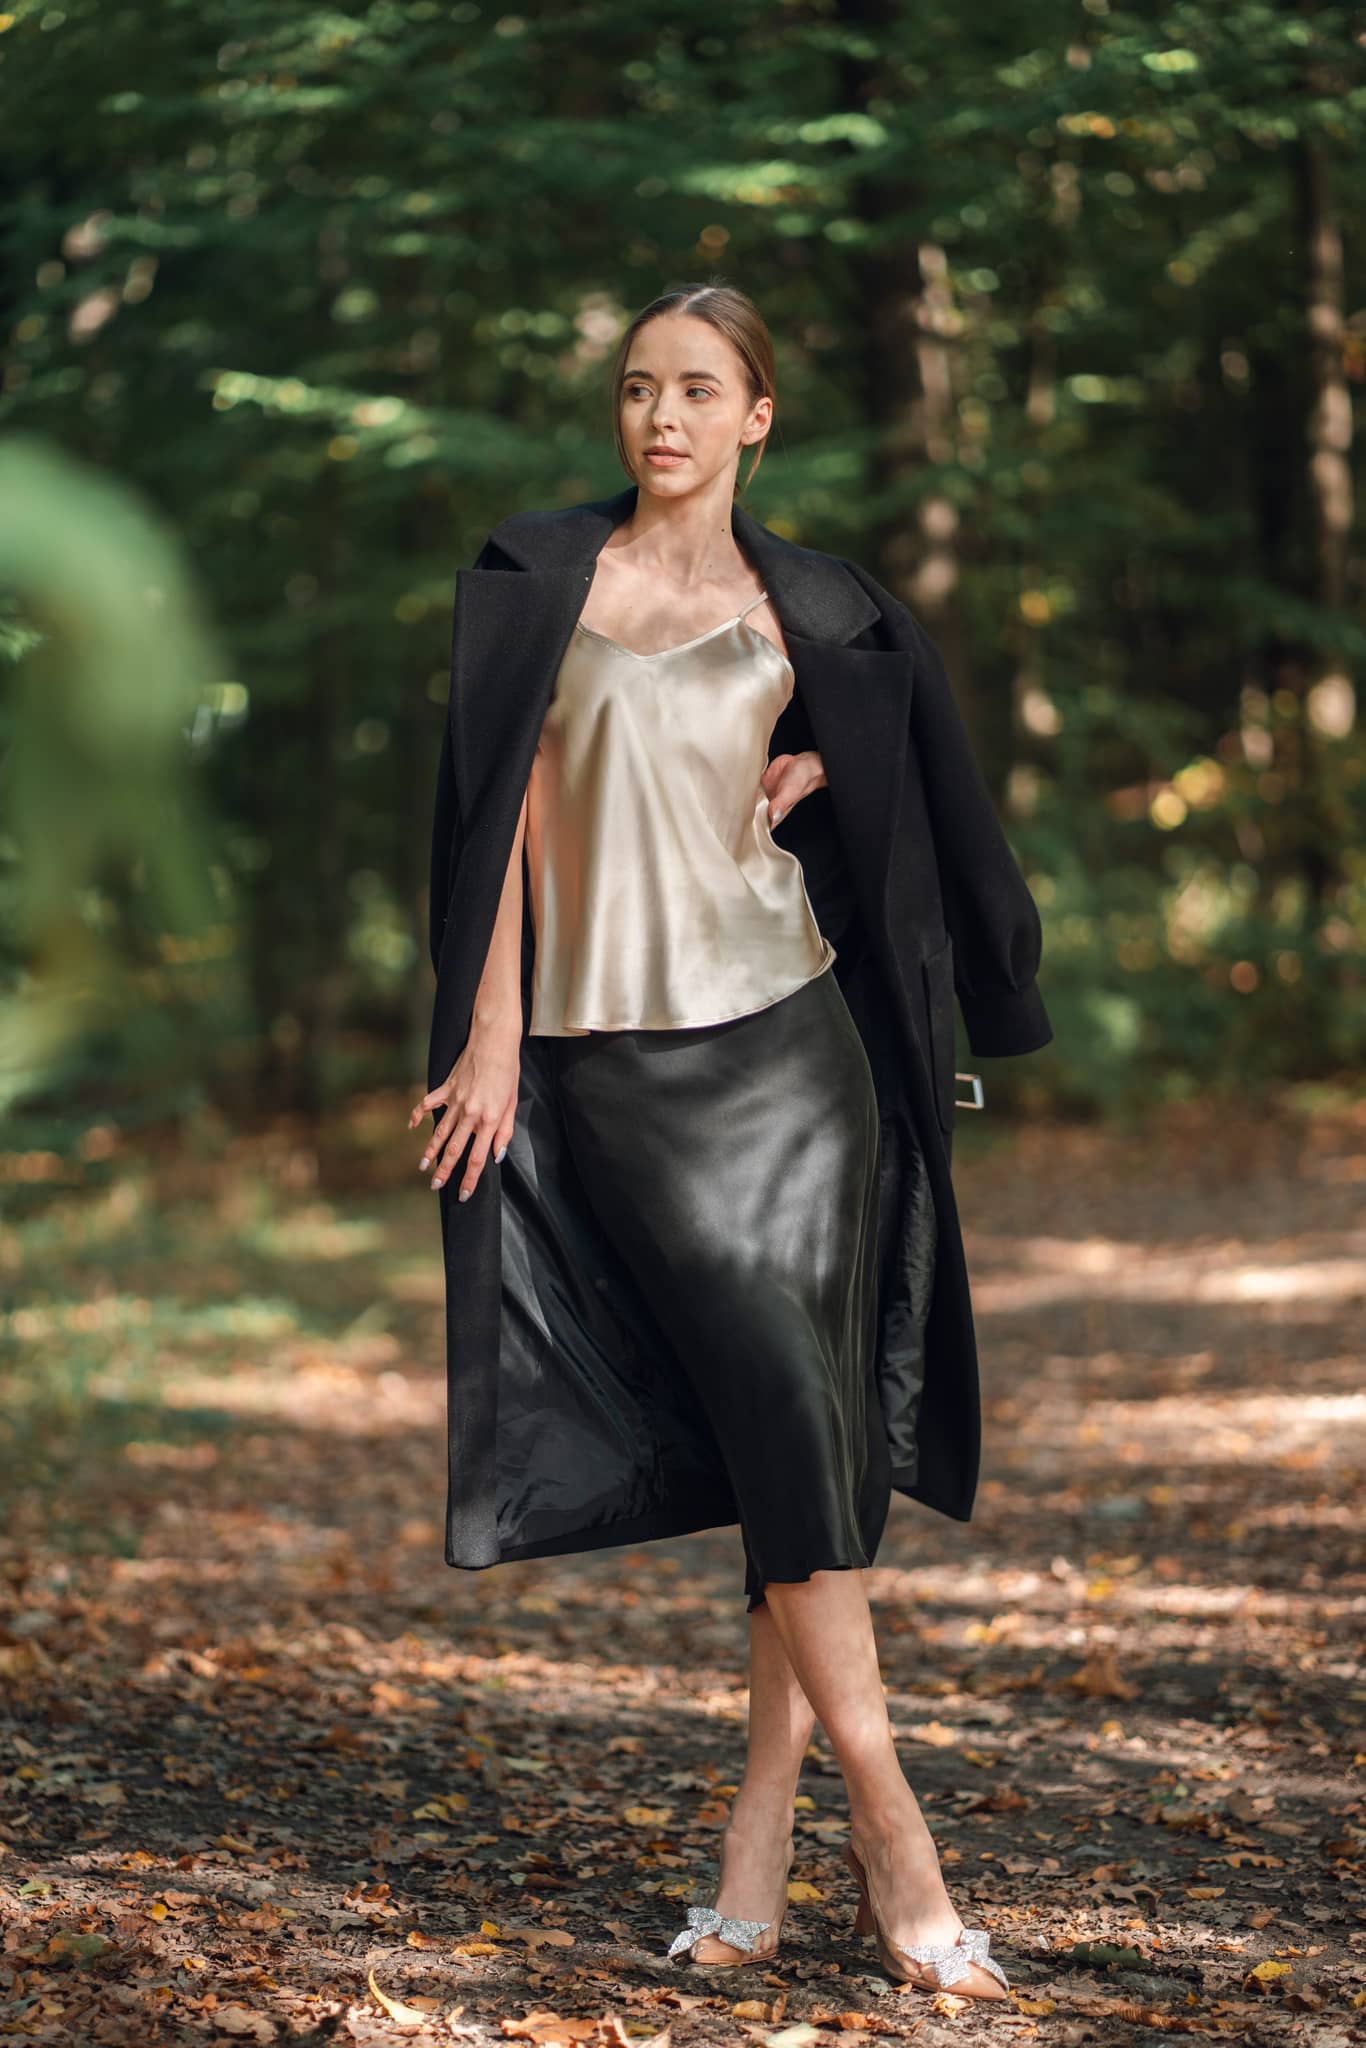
(549, 2029)
(936, 1733)
(1103, 1953)
(546, 1937)
(406, 2015)
(67, 1946)
(1099, 1677)
(444, 1807)
(242, 2023)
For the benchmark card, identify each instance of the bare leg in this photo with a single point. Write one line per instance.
(755, 1844)
(827, 1631)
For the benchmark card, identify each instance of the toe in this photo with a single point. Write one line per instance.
(712, 1950)
(985, 1985)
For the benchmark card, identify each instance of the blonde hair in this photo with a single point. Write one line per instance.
(733, 314)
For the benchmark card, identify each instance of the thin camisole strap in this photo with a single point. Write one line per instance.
(753, 601)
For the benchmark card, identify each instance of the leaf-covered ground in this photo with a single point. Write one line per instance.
(270, 1771)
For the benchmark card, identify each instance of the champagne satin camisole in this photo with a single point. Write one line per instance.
(659, 896)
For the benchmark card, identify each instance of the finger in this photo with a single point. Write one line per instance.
(809, 774)
(417, 1112)
(438, 1110)
(479, 1152)
(451, 1149)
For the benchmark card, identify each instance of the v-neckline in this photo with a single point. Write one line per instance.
(683, 645)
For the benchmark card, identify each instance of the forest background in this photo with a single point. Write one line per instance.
(1069, 309)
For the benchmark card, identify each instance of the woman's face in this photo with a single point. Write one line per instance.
(685, 390)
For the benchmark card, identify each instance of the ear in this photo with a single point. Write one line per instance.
(760, 420)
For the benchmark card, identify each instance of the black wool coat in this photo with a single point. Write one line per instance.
(569, 1424)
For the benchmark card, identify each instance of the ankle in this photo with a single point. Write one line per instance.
(757, 1814)
(891, 1824)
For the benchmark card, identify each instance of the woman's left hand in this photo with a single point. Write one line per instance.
(788, 778)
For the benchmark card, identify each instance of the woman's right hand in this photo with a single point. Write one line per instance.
(477, 1099)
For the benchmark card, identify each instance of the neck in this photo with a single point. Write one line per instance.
(686, 542)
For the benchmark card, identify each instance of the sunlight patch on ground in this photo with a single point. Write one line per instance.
(1296, 1427)
(949, 1599)
(1013, 1273)
(307, 1384)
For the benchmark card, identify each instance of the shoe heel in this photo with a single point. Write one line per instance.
(863, 1919)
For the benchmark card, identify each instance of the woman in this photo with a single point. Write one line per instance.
(715, 1271)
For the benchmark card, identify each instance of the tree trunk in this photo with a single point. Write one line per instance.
(910, 326)
(1329, 427)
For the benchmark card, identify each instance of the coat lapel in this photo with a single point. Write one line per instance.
(512, 631)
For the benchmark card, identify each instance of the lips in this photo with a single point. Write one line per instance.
(672, 454)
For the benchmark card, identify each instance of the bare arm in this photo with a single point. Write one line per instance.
(498, 999)
(478, 1098)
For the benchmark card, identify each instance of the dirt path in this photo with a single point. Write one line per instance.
(262, 1753)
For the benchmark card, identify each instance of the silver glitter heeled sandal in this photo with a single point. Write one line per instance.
(950, 1961)
(741, 1935)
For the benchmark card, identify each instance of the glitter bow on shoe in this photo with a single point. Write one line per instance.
(741, 1934)
(952, 1960)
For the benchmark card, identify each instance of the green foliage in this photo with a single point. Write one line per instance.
(111, 913)
(338, 289)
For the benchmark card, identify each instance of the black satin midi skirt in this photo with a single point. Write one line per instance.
(735, 1166)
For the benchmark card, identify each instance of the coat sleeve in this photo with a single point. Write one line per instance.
(991, 916)
(446, 811)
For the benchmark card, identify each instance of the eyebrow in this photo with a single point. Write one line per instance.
(687, 376)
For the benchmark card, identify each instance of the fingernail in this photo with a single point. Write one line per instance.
(423, 1164)
(465, 1194)
(776, 816)
(500, 1155)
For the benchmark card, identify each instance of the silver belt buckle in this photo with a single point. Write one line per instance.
(978, 1100)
